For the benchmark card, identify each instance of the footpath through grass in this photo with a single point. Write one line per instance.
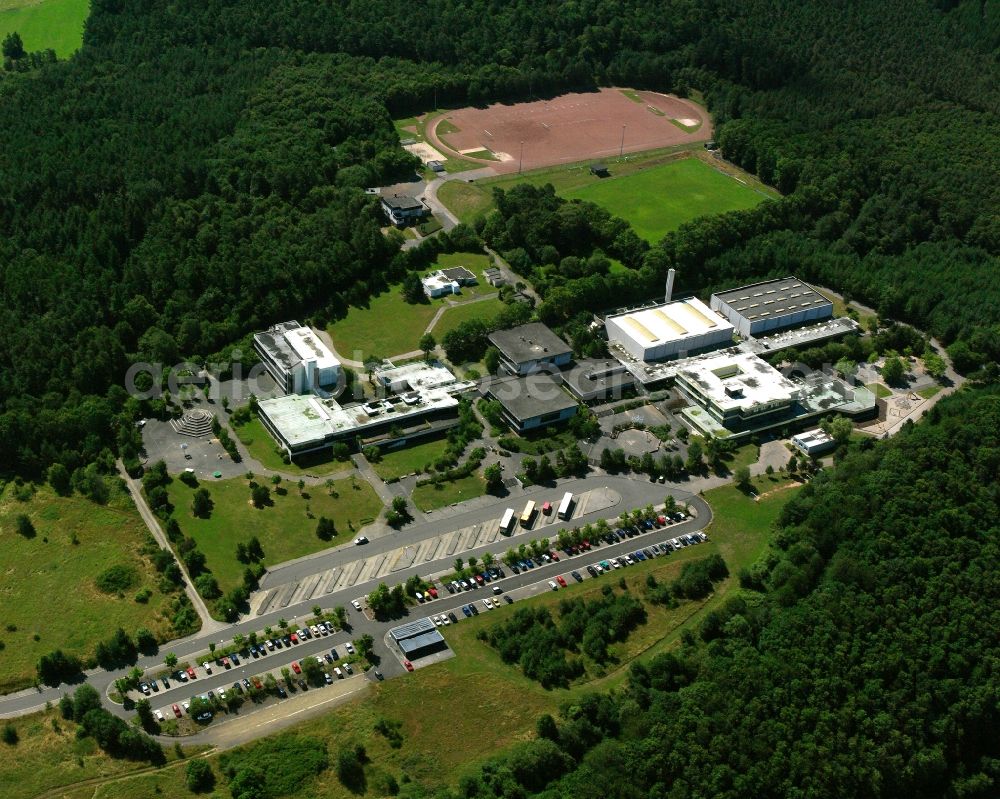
(45, 24)
(286, 529)
(48, 585)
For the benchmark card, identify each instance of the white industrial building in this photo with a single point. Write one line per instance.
(813, 442)
(671, 330)
(419, 376)
(772, 305)
(296, 358)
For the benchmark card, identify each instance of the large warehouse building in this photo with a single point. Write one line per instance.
(676, 329)
(762, 308)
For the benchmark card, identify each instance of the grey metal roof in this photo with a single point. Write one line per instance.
(422, 641)
(402, 202)
(411, 629)
(773, 298)
(531, 342)
(274, 343)
(597, 375)
(530, 396)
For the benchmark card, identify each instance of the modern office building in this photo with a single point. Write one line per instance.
(296, 358)
(533, 401)
(598, 380)
(813, 442)
(528, 348)
(771, 305)
(402, 209)
(671, 330)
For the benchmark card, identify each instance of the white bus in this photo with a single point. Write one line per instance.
(528, 514)
(507, 522)
(566, 506)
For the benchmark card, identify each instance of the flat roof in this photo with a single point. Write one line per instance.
(772, 298)
(738, 380)
(812, 437)
(402, 202)
(303, 418)
(457, 273)
(411, 629)
(422, 375)
(531, 342)
(422, 641)
(597, 375)
(674, 321)
(309, 347)
(530, 396)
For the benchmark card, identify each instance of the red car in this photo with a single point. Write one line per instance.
(409, 666)
(433, 592)
(479, 579)
(177, 710)
(585, 545)
(296, 668)
(560, 580)
(190, 673)
(294, 637)
(547, 508)
(257, 683)
(554, 556)
(226, 663)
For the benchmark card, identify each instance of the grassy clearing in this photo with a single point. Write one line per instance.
(262, 447)
(747, 455)
(407, 460)
(48, 756)
(632, 95)
(286, 529)
(440, 495)
(928, 391)
(880, 391)
(686, 128)
(446, 127)
(50, 568)
(45, 24)
(660, 199)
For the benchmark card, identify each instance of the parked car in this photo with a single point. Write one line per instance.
(296, 667)
(144, 688)
(488, 603)
(547, 508)
(378, 675)
(349, 647)
(191, 673)
(257, 683)
(497, 589)
(294, 637)
(226, 663)
(361, 539)
(333, 653)
(177, 711)
(235, 658)
(407, 665)
(166, 684)
(593, 571)
(466, 611)
(246, 683)
(328, 658)
(347, 668)
(357, 605)
(576, 576)
(561, 580)
(453, 617)
(327, 678)
(553, 586)
(433, 592)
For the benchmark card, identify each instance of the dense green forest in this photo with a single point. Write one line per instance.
(195, 171)
(866, 667)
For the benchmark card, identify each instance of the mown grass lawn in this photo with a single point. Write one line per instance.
(409, 459)
(261, 445)
(440, 495)
(47, 586)
(391, 326)
(879, 390)
(655, 192)
(45, 24)
(662, 198)
(484, 310)
(286, 529)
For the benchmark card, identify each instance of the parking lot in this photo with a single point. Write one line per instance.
(437, 548)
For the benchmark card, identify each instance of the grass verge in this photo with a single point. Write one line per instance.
(440, 495)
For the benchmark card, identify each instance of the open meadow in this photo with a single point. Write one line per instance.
(45, 24)
(49, 598)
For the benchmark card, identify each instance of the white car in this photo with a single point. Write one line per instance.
(553, 586)
(488, 602)
(350, 647)
(186, 706)
(437, 621)
(159, 715)
(208, 667)
(361, 539)
(445, 620)
(314, 630)
(357, 605)
(348, 669)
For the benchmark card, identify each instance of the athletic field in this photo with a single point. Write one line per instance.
(660, 199)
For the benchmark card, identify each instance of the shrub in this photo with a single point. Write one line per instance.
(117, 579)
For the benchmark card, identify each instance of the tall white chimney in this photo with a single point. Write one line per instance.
(670, 285)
